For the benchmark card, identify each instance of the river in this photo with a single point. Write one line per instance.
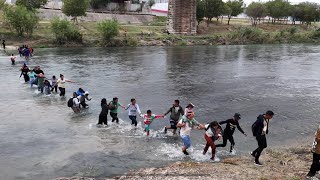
(41, 138)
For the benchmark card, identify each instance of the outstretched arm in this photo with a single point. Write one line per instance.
(201, 126)
(240, 129)
(223, 122)
(167, 112)
(158, 116)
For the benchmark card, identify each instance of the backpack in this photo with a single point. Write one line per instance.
(255, 128)
(70, 102)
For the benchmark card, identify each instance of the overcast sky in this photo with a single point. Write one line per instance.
(292, 1)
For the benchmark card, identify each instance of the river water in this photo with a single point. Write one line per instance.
(41, 138)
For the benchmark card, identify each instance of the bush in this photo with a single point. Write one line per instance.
(292, 30)
(131, 41)
(245, 34)
(65, 31)
(108, 29)
(21, 19)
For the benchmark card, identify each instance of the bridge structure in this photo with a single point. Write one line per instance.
(182, 17)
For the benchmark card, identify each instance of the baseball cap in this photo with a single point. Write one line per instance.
(237, 115)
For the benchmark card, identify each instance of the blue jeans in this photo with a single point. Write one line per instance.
(134, 120)
(31, 81)
(186, 141)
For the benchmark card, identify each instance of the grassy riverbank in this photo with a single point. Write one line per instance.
(239, 32)
(280, 164)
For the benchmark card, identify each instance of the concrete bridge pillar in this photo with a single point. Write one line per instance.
(182, 17)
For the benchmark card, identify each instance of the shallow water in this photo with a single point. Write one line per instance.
(42, 139)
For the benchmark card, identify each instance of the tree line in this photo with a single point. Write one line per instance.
(278, 11)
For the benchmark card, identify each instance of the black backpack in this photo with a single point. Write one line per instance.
(255, 128)
(70, 102)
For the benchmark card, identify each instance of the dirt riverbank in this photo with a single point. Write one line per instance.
(279, 164)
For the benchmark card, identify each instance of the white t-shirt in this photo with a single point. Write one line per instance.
(265, 126)
(133, 109)
(76, 102)
(208, 132)
(61, 83)
(185, 131)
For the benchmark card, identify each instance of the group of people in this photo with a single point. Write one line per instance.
(36, 77)
(25, 51)
(183, 119)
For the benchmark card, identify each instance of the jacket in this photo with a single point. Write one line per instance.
(316, 143)
(175, 116)
(257, 127)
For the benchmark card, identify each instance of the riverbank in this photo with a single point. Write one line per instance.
(280, 164)
(152, 33)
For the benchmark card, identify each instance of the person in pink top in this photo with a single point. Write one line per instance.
(148, 119)
(189, 109)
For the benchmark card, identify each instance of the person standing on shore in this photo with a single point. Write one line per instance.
(103, 117)
(213, 133)
(176, 110)
(186, 123)
(61, 85)
(232, 124)
(133, 110)
(4, 44)
(260, 129)
(113, 106)
(316, 155)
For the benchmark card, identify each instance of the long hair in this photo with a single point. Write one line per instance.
(103, 101)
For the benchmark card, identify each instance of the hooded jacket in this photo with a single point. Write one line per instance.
(316, 143)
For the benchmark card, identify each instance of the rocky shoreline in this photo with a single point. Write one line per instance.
(279, 164)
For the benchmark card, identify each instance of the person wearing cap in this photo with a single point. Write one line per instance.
(186, 123)
(188, 109)
(316, 155)
(83, 95)
(232, 124)
(113, 106)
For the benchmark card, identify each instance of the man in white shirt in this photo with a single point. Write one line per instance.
(133, 110)
(187, 123)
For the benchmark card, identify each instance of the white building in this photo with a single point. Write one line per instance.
(11, 1)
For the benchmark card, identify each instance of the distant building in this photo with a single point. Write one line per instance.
(11, 1)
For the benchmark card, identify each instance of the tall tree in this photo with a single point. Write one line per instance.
(75, 8)
(278, 9)
(31, 4)
(256, 11)
(214, 8)
(235, 8)
(200, 10)
(310, 12)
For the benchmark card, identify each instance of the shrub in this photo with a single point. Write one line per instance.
(21, 19)
(65, 31)
(108, 29)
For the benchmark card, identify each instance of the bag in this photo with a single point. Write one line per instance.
(70, 102)
(254, 128)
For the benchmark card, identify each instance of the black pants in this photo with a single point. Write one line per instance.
(103, 118)
(26, 77)
(13, 62)
(134, 120)
(315, 165)
(262, 144)
(227, 137)
(55, 88)
(62, 91)
(114, 117)
(83, 104)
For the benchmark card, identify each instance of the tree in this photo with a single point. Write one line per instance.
(31, 4)
(256, 11)
(310, 12)
(278, 9)
(234, 8)
(75, 8)
(108, 29)
(21, 19)
(214, 8)
(96, 4)
(200, 13)
(64, 31)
